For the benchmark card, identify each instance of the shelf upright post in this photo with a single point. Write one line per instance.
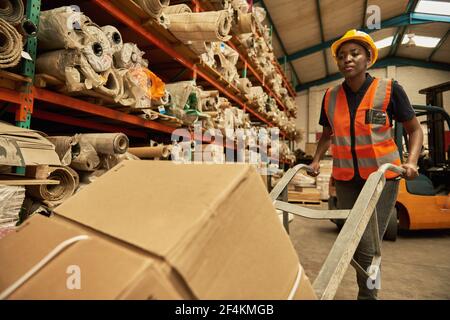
(23, 114)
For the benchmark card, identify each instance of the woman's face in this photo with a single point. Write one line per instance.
(352, 59)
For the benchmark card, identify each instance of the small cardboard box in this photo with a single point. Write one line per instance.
(171, 231)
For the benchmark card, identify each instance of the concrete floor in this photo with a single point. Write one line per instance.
(416, 266)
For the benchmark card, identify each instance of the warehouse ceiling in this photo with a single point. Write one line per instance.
(303, 31)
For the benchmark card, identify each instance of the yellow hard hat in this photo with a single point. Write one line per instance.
(359, 36)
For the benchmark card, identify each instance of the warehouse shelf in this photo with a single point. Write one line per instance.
(131, 15)
(207, 5)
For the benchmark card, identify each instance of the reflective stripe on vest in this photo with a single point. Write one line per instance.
(374, 144)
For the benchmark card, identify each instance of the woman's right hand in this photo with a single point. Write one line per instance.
(315, 165)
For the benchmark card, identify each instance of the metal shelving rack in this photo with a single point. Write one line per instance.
(28, 99)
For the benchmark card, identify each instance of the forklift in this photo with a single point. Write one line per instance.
(422, 203)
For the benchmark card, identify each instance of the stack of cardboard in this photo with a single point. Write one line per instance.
(168, 232)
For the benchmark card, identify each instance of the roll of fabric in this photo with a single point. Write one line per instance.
(87, 159)
(12, 11)
(27, 28)
(61, 28)
(97, 48)
(201, 26)
(107, 143)
(70, 66)
(112, 86)
(178, 8)
(10, 45)
(66, 147)
(129, 56)
(244, 85)
(160, 151)
(114, 37)
(53, 195)
(153, 8)
(246, 23)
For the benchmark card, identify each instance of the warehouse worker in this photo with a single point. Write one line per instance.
(357, 119)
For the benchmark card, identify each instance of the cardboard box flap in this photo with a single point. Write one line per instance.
(105, 270)
(151, 204)
(214, 224)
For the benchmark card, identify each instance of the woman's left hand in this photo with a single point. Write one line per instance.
(411, 171)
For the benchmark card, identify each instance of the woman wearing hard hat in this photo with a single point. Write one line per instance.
(357, 119)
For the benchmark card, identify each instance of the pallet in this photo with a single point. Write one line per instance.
(306, 202)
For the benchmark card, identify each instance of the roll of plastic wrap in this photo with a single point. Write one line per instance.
(10, 45)
(107, 143)
(12, 11)
(87, 159)
(154, 8)
(61, 28)
(114, 37)
(66, 147)
(201, 26)
(53, 195)
(178, 8)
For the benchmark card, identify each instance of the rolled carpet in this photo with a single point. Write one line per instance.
(53, 195)
(107, 143)
(178, 8)
(12, 11)
(87, 159)
(154, 8)
(10, 45)
(114, 37)
(97, 48)
(129, 56)
(201, 26)
(66, 147)
(244, 85)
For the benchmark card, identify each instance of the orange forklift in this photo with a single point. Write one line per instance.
(422, 203)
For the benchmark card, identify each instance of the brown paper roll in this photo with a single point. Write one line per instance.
(53, 195)
(161, 151)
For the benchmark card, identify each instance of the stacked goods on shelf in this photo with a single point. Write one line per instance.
(14, 29)
(157, 10)
(93, 61)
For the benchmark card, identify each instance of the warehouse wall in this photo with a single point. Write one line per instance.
(411, 78)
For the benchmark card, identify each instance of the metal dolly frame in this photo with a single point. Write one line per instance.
(357, 219)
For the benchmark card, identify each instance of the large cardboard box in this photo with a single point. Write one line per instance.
(171, 232)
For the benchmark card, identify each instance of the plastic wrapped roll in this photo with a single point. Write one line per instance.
(245, 23)
(107, 143)
(87, 159)
(66, 147)
(10, 45)
(61, 28)
(164, 100)
(129, 57)
(71, 67)
(112, 87)
(200, 47)
(201, 26)
(114, 37)
(97, 49)
(178, 8)
(154, 8)
(12, 11)
(244, 85)
(53, 195)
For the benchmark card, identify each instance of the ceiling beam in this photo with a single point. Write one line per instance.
(283, 48)
(390, 61)
(363, 24)
(401, 20)
(400, 33)
(322, 37)
(440, 43)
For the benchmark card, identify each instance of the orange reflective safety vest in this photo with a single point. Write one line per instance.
(371, 143)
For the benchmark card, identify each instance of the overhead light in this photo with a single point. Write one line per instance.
(433, 7)
(383, 43)
(420, 41)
